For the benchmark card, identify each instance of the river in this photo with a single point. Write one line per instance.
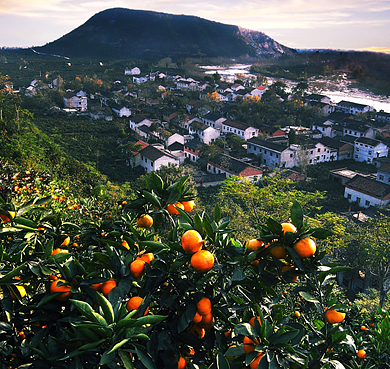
(338, 92)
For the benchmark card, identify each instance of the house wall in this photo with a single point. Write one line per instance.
(151, 166)
(367, 153)
(362, 199)
(383, 177)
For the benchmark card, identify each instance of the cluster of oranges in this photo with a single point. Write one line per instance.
(203, 318)
(183, 205)
(192, 242)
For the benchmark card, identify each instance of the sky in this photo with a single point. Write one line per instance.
(301, 24)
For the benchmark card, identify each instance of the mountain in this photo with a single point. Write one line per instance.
(124, 33)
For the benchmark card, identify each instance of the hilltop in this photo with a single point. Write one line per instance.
(124, 33)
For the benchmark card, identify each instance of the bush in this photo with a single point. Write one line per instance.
(70, 308)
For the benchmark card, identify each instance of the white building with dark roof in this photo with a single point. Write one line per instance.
(240, 129)
(153, 158)
(354, 108)
(205, 133)
(367, 149)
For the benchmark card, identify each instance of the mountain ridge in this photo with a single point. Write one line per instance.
(129, 33)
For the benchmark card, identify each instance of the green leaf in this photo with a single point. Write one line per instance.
(118, 345)
(86, 310)
(217, 213)
(152, 198)
(320, 233)
(145, 358)
(284, 337)
(186, 318)
(326, 271)
(106, 306)
(222, 362)
(9, 276)
(157, 181)
(306, 296)
(26, 222)
(297, 214)
(126, 360)
(244, 329)
(274, 226)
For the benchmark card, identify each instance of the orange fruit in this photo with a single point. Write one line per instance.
(191, 241)
(255, 363)
(65, 289)
(333, 316)
(305, 248)
(363, 328)
(252, 321)
(188, 205)
(297, 313)
(66, 241)
(22, 291)
(361, 354)
(172, 210)
(59, 251)
(134, 303)
(197, 318)
(202, 261)
(206, 319)
(137, 268)
(145, 221)
(249, 344)
(204, 306)
(289, 278)
(97, 286)
(288, 227)
(254, 245)
(107, 286)
(278, 252)
(182, 363)
(5, 218)
(147, 258)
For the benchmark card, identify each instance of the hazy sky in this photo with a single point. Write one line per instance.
(337, 24)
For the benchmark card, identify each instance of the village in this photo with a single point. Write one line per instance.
(162, 135)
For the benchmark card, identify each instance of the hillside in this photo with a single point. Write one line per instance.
(125, 33)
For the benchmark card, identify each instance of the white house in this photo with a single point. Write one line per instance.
(153, 158)
(272, 154)
(239, 129)
(259, 91)
(132, 72)
(122, 112)
(318, 98)
(192, 149)
(353, 108)
(383, 173)
(73, 101)
(357, 128)
(366, 191)
(213, 120)
(139, 120)
(324, 126)
(367, 149)
(205, 133)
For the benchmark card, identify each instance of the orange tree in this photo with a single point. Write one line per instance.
(195, 307)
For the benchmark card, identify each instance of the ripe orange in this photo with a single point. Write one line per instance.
(5, 218)
(297, 313)
(255, 363)
(278, 252)
(182, 363)
(172, 210)
(206, 319)
(305, 248)
(333, 316)
(137, 268)
(249, 344)
(361, 354)
(254, 245)
(134, 303)
(197, 318)
(288, 227)
(107, 287)
(191, 241)
(145, 221)
(59, 251)
(252, 321)
(22, 291)
(202, 261)
(188, 205)
(364, 328)
(66, 241)
(204, 306)
(97, 286)
(65, 289)
(197, 331)
(147, 258)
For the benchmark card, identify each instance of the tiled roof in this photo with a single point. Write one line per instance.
(368, 141)
(369, 186)
(236, 124)
(235, 166)
(152, 153)
(269, 145)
